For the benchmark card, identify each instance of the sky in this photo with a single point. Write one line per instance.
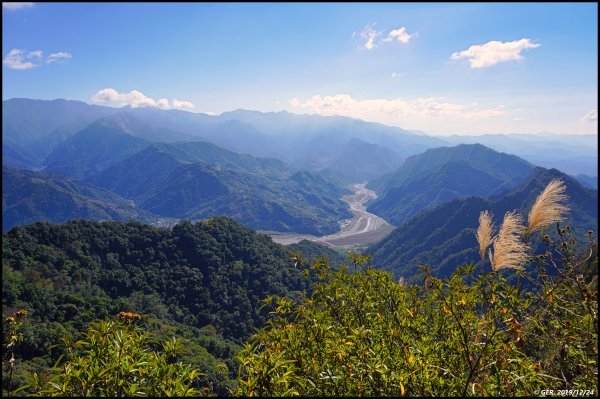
(441, 68)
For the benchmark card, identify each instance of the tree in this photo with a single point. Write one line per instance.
(116, 358)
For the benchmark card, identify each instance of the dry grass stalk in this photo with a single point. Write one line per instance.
(547, 208)
(484, 232)
(510, 252)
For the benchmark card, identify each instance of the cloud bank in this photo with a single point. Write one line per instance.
(395, 109)
(137, 99)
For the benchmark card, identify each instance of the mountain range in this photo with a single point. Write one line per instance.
(32, 129)
(571, 154)
(29, 197)
(441, 174)
(271, 171)
(444, 237)
(181, 180)
(177, 164)
(195, 180)
(283, 135)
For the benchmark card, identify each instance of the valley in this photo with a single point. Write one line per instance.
(363, 228)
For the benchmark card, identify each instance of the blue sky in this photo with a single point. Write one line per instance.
(443, 68)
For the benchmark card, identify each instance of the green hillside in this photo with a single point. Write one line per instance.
(94, 148)
(29, 197)
(200, 281)
(196, 180)
(444, 237)
(442, 174)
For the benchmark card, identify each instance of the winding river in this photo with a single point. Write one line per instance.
(363, 228)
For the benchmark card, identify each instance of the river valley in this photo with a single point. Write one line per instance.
(363, 228)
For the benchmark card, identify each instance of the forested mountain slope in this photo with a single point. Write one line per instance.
(442, 174)
(444, 237)
(29, 197)
(195, 180)
(204, 281)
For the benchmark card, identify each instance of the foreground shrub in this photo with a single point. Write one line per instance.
(116, 358)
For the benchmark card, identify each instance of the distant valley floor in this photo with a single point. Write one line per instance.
(365, 228)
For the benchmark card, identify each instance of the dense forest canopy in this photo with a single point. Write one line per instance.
(204, 280)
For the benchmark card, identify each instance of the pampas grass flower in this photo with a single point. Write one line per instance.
(547, 208)
(510, 252)
(484, 232)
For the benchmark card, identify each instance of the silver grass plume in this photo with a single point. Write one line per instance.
(484, 232)
(510, 252)
(547, 208)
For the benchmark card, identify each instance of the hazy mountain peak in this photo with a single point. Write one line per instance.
(123, 122)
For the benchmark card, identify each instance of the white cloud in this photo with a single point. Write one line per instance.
(591, 116)
(394, 110)
(399, 35)
(58, 57)
(397, 74)
(136, 99)
(368, 35)
(182, 104)
(21, 60)
(494, 52)
(16, 6)
(162, 103)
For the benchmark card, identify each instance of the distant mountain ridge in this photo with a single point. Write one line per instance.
(17, 157)
(196, 180)
(344, 146)
(25, 121)
(588, 181)
(38, 126)
(282, 135)
(151, 157)
(132, 176)
(572, 154)
(29, 196)
(94, 148)
(352, 161)
(442, 174)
